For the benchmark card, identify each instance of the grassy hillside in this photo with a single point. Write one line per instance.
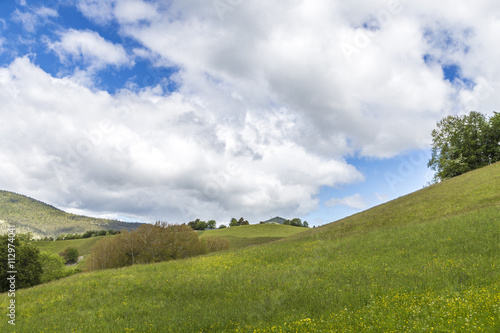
(246, 235)
(426, 262)
(84, 245)
(30, 215)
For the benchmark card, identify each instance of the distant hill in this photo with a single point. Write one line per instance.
(276, 220)
(30, 215)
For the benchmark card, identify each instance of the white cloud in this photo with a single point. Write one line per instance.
(355, 201)
(272, 97)
(131, 11)
(149, 155)
(32, 18)
(100, 11)
(381, 100)
(89, 47)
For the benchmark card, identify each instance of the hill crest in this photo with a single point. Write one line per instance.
(44, 220)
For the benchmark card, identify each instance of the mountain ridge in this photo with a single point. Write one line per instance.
(44, 220)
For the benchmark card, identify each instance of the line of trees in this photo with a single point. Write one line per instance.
(236, 223)
(296, 222)
(150, 244)
(464, 143)
(87, 234)
(202, 225)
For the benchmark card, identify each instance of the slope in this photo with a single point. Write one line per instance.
(246, 235)
(83, 245)
(30, 215)
(429, 261)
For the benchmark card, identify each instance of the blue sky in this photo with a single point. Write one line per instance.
(176, 110)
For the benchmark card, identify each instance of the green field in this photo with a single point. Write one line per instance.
(246, 235)
(83, 245)
(429, 261)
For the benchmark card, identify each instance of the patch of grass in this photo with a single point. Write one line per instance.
(84, 245)
(426, 262)
(246, 235)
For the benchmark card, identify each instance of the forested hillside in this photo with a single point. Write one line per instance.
(30, 215)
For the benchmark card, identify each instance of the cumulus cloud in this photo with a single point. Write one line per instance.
(355, 74)
(152, 155)
(130, 11)
(99, 11)
(271, 98)
(89, 47)
(296, 61)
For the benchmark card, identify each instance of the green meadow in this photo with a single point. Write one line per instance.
(426, 262)
(247, 235)
(83, 245)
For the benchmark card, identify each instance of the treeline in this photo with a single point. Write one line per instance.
(202, 225)
(296, 222)
(87, 234)
(212, 224)
(150, 244)
(464, 143)
(236, 223)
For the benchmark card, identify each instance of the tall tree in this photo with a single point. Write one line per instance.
(211, 224)
(27, 263)
(493, 139)
(463, 143)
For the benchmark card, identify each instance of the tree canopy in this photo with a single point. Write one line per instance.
(464, 143)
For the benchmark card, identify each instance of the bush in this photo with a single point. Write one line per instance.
(148, 244)
(29, 267)
(52, 266)
(70, 255)
(27, 264)
(214, 244)
(200, 225)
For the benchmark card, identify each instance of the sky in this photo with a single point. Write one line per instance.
(183, 109)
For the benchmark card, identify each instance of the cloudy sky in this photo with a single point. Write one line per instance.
(180, 109)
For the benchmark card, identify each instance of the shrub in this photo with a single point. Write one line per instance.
(70, 255)
(214, 244)
(52, 266)
(27, 264)
(148, 244)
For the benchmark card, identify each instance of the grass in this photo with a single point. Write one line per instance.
(84, 245)
(30, 215)
(247, 235)
(426, 262)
